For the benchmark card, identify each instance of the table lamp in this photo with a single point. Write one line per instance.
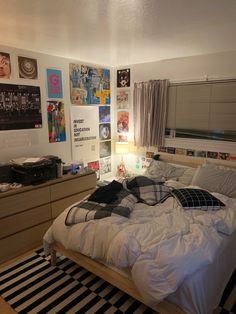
(122, 148)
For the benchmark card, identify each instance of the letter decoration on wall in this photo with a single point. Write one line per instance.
(89, 85)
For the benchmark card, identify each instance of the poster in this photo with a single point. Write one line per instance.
(105, 149)
(122, 121)
(54, 83)
(84, 133)
(20, 107)
(105, 165)
(5, 65)
(56, 121)
(105, 131)
(122, 99)
(123, 78)
(122, 138)
(27, 68)
(104, 114)
(89, 85)
(95, 166)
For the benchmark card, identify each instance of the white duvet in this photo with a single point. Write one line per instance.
(161, 244)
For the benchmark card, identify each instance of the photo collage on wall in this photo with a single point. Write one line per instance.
(20, 105)
(197, 153)
(55, 107)
(90, 86)
(123, 104)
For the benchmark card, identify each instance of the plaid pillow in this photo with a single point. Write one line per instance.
(148, 191)
(88, 210)
(196, 199)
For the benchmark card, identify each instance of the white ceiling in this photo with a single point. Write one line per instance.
(119, 32)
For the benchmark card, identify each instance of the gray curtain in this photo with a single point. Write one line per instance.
(150, 108)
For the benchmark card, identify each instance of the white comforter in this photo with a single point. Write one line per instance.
(161, 244)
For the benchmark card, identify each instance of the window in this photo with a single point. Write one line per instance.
(202, 110)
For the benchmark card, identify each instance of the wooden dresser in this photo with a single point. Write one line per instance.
(26, 213)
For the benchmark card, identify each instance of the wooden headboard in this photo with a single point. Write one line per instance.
(194, 161)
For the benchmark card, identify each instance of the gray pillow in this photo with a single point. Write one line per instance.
(216, 178)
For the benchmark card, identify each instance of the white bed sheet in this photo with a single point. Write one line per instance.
(201, 293)
(189, 240)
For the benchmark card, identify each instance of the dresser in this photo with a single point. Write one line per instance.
(26, 213)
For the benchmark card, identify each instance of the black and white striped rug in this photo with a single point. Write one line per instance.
(32, 285)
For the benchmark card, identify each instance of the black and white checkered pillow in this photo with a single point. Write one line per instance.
(196, 199)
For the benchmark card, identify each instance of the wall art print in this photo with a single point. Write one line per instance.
(105, 149)
(5, 65)
(122, 99)
(122, 121)
(89, 85)
(105, 131)
(54, 83)
(85, 133)
(104, 114)
(20, 107)
(105, 165)
(95, 166)
(56, 121)
(28, 68)
(122, 138)
(123, 78)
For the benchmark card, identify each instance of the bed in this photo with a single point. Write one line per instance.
(172, 256)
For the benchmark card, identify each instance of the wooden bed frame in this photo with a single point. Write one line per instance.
(117, 279)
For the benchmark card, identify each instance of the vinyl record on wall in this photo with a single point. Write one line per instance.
(27, 68)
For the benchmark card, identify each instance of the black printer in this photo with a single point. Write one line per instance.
(34, 170)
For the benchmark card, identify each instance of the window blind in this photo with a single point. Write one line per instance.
(202, 106)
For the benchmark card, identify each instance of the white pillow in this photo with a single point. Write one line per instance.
(163, 171)
(187, 176)
(216, 179)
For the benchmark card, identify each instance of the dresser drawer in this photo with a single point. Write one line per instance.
(16, 203)
(59, 206)
(73, 186)
(18, 222)
(22, 241)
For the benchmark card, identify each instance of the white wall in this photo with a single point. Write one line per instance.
(35, 142)
(197, 68)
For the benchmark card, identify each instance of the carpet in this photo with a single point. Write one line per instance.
(32, 285)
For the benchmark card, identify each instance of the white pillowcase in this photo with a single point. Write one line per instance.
(187, 176)
(216, 178)
(163, 171)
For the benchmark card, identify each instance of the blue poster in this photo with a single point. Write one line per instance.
(54, 83)
(89, 85)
